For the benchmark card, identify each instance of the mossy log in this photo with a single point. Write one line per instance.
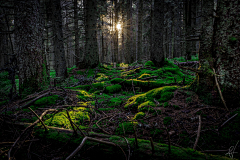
(109, 152)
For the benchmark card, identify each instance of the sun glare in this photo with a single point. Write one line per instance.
(118, 26)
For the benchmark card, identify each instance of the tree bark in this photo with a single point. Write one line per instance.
(59, 53)
(29, 46)
(157, 55)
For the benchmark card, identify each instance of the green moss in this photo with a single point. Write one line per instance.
(167, 120)
(145, 106)
(139, 115)
(165, 104)
(78, 115)
(166, 96)
(144, 75)
(150, 95)
(49, 100)
(114, 102)
(139, 83)
(149, 63)
(114, 88)
(84, 95)
(70, 69)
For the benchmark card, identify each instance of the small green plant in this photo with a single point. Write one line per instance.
(165, 104)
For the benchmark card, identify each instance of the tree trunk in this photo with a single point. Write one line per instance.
(91, 57)
(59, 53)
(29, 48)
(77, 36)
(157, 55)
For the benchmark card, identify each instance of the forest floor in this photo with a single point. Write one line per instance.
(129, 101)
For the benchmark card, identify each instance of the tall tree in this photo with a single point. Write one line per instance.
(157, 56)
(129, 55)
(29, 45)
(59, 53)
(116, 9)
(139, 30)
(77, 36)
(91, 57)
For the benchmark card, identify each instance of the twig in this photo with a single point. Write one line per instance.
(133, 87)
(45, 127)
(123, 130)
(34, 100)
(227, 121)
(79, 129)
(71, 122)
(135, 135)
(198, 134)
(219, 89)
(100, 127)
(152, 145)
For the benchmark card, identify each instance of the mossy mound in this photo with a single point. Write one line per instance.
(94, 86)
(149, 63)
(78, 115)
(114, 88)
(84, 95)
(147, 106)
(114, 102)
(49, 100)
(124, 74)
(101, 77)
(157, 93)
(139, 83)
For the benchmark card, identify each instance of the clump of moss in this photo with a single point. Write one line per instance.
(139, 83)
(147, 106)
(84, 95)
(49, 100)
(165, 97)
(114, 88)
(78, 115)
(139, 115)
(101, 77)
(144, 75)
(165, 104)
(149, 63)
(150, 95)
(114, 102)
